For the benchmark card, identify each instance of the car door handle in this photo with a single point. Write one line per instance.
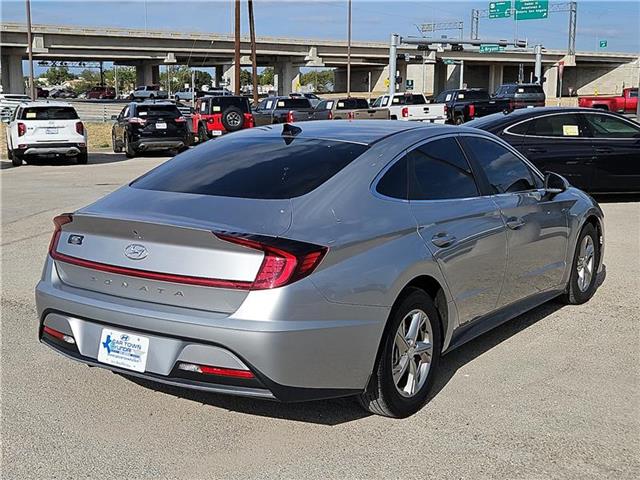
(536, 150)
(443, 240)
(604, 150)
(515, 223)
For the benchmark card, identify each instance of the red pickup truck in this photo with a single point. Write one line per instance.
(626, 103)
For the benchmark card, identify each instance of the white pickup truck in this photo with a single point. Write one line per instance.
(412, 107)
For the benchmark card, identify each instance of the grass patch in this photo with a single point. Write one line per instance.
(99, 137)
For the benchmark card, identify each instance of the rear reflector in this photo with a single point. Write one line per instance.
(59, 335)
(221, 372)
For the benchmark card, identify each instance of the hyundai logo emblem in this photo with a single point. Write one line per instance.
(135, 251)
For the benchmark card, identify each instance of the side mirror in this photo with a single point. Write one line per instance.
(6, 120)
(554, 183)
(114, 117)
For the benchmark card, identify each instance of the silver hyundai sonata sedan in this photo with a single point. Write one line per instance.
(315, 261)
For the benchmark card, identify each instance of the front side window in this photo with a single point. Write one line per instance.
(438, 170)
(608, 126)
(505, 172)
(563, 125)
(253, 167)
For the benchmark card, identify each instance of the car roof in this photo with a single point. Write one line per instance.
(153, 102)
(365, 132)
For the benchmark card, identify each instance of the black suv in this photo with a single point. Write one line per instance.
(146, 126)
(521, 95)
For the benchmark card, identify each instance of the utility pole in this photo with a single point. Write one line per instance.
(236, 58)
(393, 57)
(115, 78)
(32, 87)
(349, 52)
(254, 61)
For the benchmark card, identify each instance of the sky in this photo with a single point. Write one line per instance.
(617, 22)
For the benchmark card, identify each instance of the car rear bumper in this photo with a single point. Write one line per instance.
(145, 144)
(291, 360)
(66, 149)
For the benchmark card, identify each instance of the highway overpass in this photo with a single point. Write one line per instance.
(586, 73)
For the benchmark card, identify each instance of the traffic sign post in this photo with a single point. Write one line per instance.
(490, 48)
(603, 44)
(500, 9)
(531, 9)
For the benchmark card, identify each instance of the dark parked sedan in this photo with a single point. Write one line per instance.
(596, 151)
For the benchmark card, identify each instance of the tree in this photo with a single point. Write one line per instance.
(182, 75)
(58, 75)
(126, 78)
(266, 77)
(322, 81)
(245, 78)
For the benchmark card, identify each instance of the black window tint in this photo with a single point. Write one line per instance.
(440, 171)
(608, 126)
(225, 102)
(633, 93)
(476, 95)
(352, 103)
(520, 129)
(158, 111)
(532, 89)
(564, 125)
(505, 172)
(253, 167)
(394, 181)
(293, 103)
(48, 113)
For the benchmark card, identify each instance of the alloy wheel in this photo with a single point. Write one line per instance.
(412, 353)
(585, 264)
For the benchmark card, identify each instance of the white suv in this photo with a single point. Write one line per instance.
(148, 91)
(46, 129)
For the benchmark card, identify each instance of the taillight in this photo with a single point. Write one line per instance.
(79, 128)
(137, 121)
(350, 115)
(22, 129)
(284, 262)
(58, 222)
(405, 112)
(290, 118)
(331, 114)
(248, 117)
(472, 110)
(221, 372)
(180, 120)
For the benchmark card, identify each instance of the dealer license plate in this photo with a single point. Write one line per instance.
(124, 350)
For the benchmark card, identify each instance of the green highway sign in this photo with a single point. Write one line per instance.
(500, 9)
(603, 44)
(448, 61)
(531, 9)
(490, 48)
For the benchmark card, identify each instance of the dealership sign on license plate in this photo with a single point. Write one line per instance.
(123, 350)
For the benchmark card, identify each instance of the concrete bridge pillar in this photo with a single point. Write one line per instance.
(287, 78)
(147, 74)
(12, 74)
(227, 74)
(495, 77)
(550, 86)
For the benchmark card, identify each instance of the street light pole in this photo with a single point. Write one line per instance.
(32, 87)
(349, 52)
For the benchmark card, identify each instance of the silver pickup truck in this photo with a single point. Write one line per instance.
(412, 107)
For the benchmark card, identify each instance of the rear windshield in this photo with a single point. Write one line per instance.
(158, 111)
(529, 89)
(293, 103)
(49, 113)
(352, 103)
(253, 167)
(226, 102)
(473, 95)
(408, 100)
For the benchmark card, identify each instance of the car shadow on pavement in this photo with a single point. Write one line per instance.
(95, 158)
(343, 410)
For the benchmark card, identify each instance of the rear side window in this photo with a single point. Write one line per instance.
(505, 172)
(394, 182)
(564, 125)
(158, 111)
(48, 113)
(438, 171)
(253, 167)
(352, 104)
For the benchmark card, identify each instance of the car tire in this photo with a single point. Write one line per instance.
(114, 143)
(584, 267)
(458, 120)
(131, 97)
(82, 158)
(16, 159)
(9, 153)
(152, 96)
(129, 151)
(203, 136)
(233, 119)
(405, 393)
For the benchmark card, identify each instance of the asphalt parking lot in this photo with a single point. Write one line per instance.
(554, 393)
